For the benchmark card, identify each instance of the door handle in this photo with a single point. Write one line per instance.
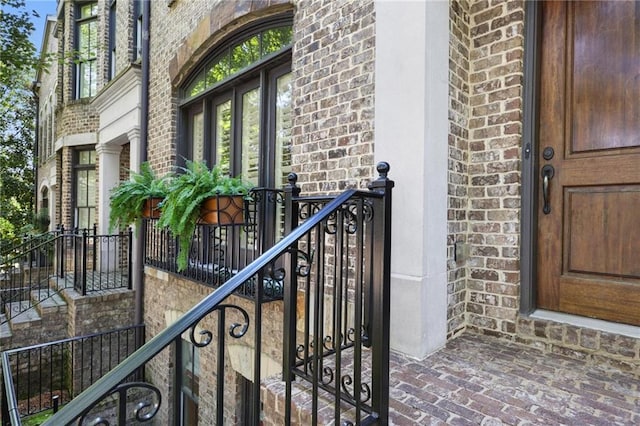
(547, 174)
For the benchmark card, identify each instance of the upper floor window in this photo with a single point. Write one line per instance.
(137, 28)
(112, 39)
(87, 49)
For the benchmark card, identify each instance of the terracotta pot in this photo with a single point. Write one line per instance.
(222, 210)
(150, 208)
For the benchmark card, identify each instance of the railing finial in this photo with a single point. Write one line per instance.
(293, 187)
(383, 168)
(383, 182)
(292, 178)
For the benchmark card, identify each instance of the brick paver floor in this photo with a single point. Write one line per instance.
(482, 380)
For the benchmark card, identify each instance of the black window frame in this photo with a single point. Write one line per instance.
(137, 30)
(78, 22)
(113, 19)
(265, 72)
(77, 168)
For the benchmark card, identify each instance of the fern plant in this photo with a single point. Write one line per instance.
(181, 208)
(127, 198)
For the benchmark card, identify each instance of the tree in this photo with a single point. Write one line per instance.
(18, 52)
(17, 116)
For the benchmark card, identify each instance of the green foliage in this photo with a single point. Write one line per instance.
(17, 52)
(37, 419)
(17, 117)
(187, 191)
(126, 199)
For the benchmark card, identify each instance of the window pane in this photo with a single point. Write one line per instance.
(83, 218)
(88, 10)
(219, 70)
(86, 157)
(81, 191)
(276, 39)
(198, 136)
(223, 136)
(91, 188)
(84, 74)
(282, 142)
(88, 39)
(197, 86)
(250, 135)
(283, 129)
(245, 53)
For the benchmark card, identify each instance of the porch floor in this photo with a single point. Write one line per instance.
(483, 380)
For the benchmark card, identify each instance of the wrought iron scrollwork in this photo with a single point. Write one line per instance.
(327, 376)
(144, 410)
(236, 330)
(365, 390)
(305, 260)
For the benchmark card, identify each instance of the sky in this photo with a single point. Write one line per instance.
(44, 8)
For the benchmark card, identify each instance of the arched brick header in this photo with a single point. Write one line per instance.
(224, 18)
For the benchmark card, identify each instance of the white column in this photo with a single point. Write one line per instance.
(411, 122)
(108, 178)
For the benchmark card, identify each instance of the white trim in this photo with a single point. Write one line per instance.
(584, 322)
(78, 139)
(412, 126)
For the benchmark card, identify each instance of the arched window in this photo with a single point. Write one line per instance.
(236, 107)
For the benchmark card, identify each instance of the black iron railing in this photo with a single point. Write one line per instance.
(25, 275)
(218, 252)
(334, 261)
(43, 377)
(81, 259)
(92, 262)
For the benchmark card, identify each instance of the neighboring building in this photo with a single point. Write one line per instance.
(514, 159)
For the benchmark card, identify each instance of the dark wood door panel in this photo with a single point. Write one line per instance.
(602, 233)
(601, 300)
(588, 244)
(604, 75)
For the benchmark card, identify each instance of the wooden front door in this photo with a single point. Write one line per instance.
(588, 249)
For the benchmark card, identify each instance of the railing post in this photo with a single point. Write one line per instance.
(83, 271)
(5, 403)
(379, 332)
(61, 252)
(130, 255)
(95, 246)
(291, 206)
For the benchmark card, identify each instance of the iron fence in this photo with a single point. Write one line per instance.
(37, 377)
(218, 252)
(40, 267)
(25, 274)
(91, 262)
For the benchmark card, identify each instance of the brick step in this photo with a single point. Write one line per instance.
(48, 302)
(23, 315)
(5, 330)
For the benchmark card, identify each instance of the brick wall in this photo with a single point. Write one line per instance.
(66, 192)
(96, 313)
(166, 293)
(495, 127)
(333, 95)
(458, 179)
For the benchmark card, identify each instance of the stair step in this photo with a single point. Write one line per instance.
(5, 330)
(23, 315)
(48, 301)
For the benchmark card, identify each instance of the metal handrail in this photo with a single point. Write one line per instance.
(106, 384)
